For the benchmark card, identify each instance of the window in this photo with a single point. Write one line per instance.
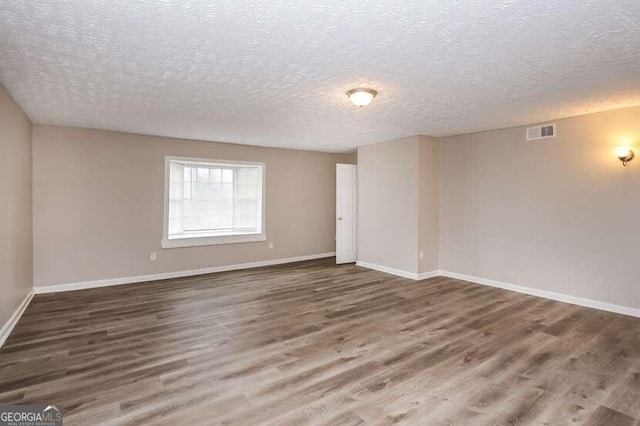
(212, 202)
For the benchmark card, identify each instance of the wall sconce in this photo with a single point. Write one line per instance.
(625, 154)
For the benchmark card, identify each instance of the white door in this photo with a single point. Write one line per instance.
(346, 181)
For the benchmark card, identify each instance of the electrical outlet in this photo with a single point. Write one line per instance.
(270, 244)
(153, 256)
(421, 254)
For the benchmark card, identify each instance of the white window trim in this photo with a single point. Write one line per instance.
(167, 243)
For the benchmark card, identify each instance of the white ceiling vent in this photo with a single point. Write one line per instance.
(541, 132)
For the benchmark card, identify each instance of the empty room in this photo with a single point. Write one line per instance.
(297, 212)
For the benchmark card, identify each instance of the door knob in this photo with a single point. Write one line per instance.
(339, 217)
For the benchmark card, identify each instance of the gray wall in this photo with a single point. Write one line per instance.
(559, 214)
(98, 204)
(16, 267)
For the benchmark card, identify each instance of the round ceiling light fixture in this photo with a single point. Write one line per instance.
(361, 96)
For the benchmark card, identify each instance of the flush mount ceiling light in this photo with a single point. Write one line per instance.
(361, 96)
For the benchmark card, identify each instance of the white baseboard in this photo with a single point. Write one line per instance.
(427, 275)
(560, 297)
(603, 306)
(398, 272)
(7, 328)
(178, 274)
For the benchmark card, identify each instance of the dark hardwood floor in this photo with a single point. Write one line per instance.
(316, 343)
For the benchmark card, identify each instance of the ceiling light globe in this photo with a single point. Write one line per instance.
(361, 97)
(623, 151)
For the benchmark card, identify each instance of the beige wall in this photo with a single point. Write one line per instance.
(398, 204)
(556, 215)
(16, 267)
(559, 214)
(388, 204)
(98, 204)
(428, 204)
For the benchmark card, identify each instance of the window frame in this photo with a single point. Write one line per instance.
(210, 240)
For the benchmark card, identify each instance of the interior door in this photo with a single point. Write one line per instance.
(346, 185)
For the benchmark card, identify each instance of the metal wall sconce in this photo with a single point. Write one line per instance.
(625, 154)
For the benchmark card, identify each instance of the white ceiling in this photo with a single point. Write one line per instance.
(275, 73)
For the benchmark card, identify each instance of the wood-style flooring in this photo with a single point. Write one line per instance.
(316, 343)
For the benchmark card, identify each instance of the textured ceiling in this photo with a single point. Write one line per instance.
(275, 73)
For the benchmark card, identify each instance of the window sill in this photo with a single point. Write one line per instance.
(212, 241)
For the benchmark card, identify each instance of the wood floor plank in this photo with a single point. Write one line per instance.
(606, 416)
(321, 344)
